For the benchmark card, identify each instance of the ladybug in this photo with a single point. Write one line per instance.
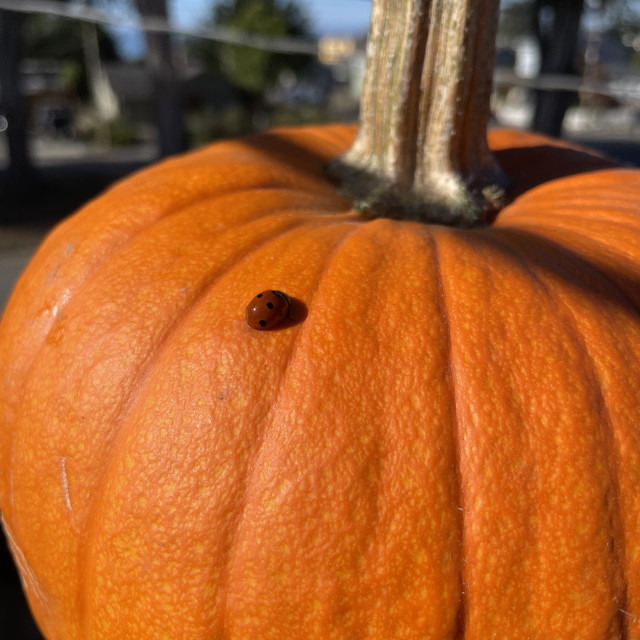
(268, 309)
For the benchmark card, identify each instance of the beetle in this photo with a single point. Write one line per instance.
(268, 309)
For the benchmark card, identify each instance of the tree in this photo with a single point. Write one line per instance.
(51, 36)
(515, 19)
(621, 16)
(102, 95)
(167, 93)
(83, 47)
(246, 67)
(65, 40)
(37, 36)
(21, 172)
(556, 26)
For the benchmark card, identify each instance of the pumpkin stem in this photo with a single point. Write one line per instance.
(421, 151)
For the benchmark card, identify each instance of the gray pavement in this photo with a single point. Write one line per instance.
(16, 248)
(69, 174)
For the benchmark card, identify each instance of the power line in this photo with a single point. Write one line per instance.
(153, 24)
(625, 91)
(619, 90)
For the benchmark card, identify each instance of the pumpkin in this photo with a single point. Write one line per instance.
(440, 440)
(448, 442)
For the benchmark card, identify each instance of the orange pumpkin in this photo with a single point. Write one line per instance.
(446, 446)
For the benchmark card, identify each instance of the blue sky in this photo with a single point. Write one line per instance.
(334, 16)
(326, 17)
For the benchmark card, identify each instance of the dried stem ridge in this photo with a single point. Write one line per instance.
(421, 151)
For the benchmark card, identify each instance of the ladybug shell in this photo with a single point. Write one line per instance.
(268, 309)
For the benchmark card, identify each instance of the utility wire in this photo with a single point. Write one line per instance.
(152, 24)
(619, 89)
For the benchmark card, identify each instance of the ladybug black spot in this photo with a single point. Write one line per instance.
(262, 323)
(270, 305)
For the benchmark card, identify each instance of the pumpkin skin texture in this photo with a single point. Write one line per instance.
(448, 446)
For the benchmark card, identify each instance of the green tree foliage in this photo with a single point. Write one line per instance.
(246, 67)
(556, 26)
(49, 37)
(516, 18)
(622, 17)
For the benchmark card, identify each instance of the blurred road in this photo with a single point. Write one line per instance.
(16, 247)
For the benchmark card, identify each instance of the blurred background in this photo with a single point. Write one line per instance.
(91, 90)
